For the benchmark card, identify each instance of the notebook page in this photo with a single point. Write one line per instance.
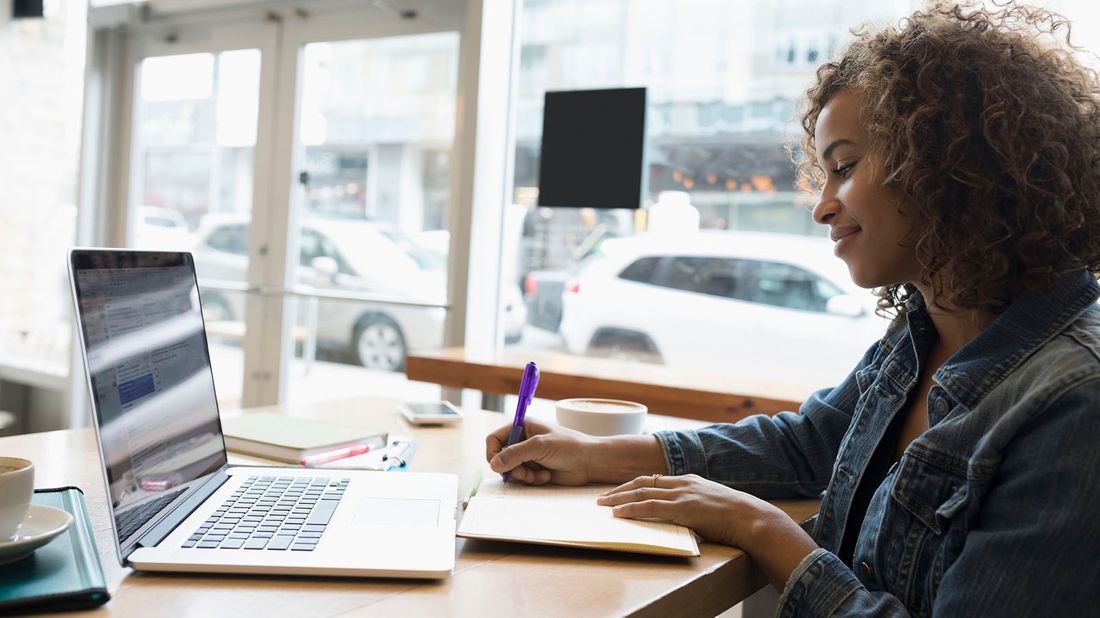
(564, 514)
(493, 487)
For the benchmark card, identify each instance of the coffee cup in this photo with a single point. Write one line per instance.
(16, 487)
(601, 417)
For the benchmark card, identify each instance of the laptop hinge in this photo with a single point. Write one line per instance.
(180, 512)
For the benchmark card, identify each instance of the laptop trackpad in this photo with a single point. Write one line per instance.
(398, 512)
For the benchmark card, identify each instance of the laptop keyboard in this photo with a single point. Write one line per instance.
(129, 521)
(272, 513)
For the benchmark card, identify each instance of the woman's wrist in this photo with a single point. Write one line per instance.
(775, 541)
(757, 528)
(617, 459)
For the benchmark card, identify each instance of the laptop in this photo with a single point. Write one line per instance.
(176, 504)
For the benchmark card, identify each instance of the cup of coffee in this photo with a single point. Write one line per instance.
(16, 487)
(601, 417)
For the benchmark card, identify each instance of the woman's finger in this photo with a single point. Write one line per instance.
(646, 509)
(649, 480)
(636, 495)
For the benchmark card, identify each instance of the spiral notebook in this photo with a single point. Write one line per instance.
(568, 516)
(65, 573)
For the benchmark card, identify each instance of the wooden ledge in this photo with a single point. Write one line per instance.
(669, 391)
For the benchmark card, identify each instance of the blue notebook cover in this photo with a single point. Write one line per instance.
(65, 573)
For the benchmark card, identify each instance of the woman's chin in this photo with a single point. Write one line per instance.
(864, 279)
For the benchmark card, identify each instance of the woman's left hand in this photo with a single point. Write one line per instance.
(716, 512)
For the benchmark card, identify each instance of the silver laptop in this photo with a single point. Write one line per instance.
(176, 503)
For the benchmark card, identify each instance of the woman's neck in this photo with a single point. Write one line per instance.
(955, 327)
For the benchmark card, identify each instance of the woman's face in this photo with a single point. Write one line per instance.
(865, 219)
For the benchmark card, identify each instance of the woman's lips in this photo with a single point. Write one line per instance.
(843, 237)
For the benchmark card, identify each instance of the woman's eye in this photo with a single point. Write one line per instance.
(843, 170)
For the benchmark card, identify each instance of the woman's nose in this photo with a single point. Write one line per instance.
(826, 209)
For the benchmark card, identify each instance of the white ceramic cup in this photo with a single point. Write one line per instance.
(601, 417)
(16, 487)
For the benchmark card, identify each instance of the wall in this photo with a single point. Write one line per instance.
(41, 84)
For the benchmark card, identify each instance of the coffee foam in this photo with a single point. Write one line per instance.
(607, 407)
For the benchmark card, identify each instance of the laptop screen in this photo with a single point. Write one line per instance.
(151, 381)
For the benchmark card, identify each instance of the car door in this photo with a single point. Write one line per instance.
(795, 333)
(712, 322)
(682, 303)
(334, 320)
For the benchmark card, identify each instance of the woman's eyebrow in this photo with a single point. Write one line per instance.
(829, 149)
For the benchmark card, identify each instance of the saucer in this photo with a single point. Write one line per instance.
(40, 526)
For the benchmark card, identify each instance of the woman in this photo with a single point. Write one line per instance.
(958, 163)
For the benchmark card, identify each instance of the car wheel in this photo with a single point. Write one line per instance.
(379, 344)
(215, 308)
(623, 345)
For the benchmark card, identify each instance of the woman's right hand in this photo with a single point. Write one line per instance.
(547, 454)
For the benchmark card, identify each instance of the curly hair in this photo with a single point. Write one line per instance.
(989, 129)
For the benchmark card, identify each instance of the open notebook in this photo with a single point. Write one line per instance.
(555, 515)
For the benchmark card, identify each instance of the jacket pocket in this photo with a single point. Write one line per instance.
(931, 490)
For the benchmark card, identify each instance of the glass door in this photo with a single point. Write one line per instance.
(193, 170)
(305, 160)
(371, 152)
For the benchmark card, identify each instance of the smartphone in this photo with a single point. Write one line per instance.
(431, 413)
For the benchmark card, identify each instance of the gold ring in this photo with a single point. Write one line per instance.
(655, 477)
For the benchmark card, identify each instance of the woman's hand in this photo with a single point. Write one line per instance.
(716, 512)
(548, 454)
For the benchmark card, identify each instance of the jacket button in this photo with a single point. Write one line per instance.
(865, 569)
(941, 406)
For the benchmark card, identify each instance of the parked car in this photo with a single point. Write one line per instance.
(350, 255)
(161, 229)
(339, 255)
(761, 306)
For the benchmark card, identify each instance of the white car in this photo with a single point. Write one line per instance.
(755, 305)
(340, 255)
(161, 229)
(349, 255)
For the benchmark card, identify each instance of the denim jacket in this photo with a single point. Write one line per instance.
(994, 510)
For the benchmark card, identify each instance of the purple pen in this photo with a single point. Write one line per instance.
(526, 394)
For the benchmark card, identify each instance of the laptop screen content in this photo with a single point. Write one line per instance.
(150, 376)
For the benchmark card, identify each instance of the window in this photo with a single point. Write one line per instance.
(787, 286)
(642, 271)
(375, 128)
(231, 239)
(721, 95)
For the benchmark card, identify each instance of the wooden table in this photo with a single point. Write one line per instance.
(674, 392)
(489, 579)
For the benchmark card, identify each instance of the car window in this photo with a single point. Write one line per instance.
(642, 270)
(309, 247)
(231, 239)
(160, 222)
(425, 258)
(783, 285)
(713, 276)
(313, 244)
(680, 273)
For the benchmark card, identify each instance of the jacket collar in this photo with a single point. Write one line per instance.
(1035, 318)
